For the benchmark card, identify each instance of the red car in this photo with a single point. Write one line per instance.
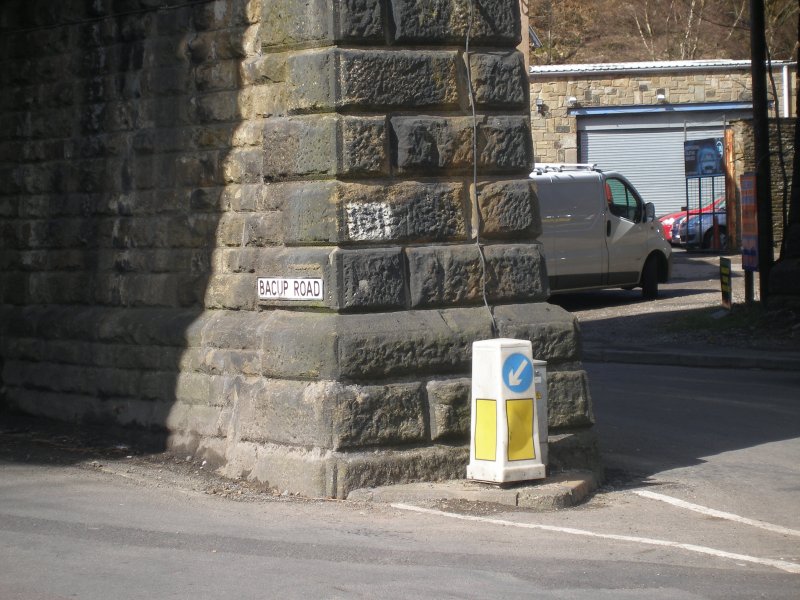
(667, 221)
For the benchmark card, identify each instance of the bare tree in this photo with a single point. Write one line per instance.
(579, 31)
(564, 25)
(669, 30)
(641, 17)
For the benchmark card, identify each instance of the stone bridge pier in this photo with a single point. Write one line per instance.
(354, 145)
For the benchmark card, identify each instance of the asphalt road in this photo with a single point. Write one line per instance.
(112, 527)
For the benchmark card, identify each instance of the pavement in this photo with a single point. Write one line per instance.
(563, 490)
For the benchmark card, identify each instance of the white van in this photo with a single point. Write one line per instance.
(597, 232)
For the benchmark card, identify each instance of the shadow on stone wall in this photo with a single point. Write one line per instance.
(118, 128)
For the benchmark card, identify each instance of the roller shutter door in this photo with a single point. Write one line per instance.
(648, 150)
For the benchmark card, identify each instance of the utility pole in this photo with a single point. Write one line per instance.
(758, 60)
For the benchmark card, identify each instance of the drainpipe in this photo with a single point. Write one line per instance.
(787, 92)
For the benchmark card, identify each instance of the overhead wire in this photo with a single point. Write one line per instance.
(474, 194)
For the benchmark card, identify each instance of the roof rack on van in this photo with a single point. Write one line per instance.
(559, 167)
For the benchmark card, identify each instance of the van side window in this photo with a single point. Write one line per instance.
(624, 202)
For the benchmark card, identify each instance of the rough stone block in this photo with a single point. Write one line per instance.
(193, 388)
(358, 470)
(216, 107)
(266, 69)
(324, 146)
(552, 330)
(55, 288)
(494, 22)
(115, 383)
(231, 291)
(13, 288)
(230, 330)
(309, 210)
(364, 148)
(415, 343)
(300, 147)
(435, 144)
(573, 451)
(262, 229)
(397, 78)
(427, 143)
(336, 212)
(148, 326)
(202, 421)
(370, 279)
(499, 79)
(516, 273)
(284, 412)
(230, 231)
(360, 21)
(419, 211)
(509, 209)
(569, 404)
(62, 406)
(164, 81)
(505, 144)
(303, 93)
(310, 262)
(441, 275)
(449, 408)
(243, 166)
(241, 198)
(158, 386)
(310, 472)
(453, 274)
(378, 415)
(371, 346)
(289, 23)
(300, 345)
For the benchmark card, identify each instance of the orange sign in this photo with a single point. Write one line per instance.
(749, 223)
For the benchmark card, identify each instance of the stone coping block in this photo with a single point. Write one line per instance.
(381, 345)
(288, 23)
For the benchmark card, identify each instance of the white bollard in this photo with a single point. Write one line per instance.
(540, 391)
(506, 412)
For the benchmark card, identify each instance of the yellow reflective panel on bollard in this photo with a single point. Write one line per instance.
(520, 429)
(486, 430)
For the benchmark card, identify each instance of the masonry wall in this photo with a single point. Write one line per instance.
(781, 135)
(157, 158)
(127, 156)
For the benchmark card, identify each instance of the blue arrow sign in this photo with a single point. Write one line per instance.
(517, 373)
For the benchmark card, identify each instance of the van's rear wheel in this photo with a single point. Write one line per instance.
(650, 279)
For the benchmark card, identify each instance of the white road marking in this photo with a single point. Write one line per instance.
(783, 565)
(716, 513)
